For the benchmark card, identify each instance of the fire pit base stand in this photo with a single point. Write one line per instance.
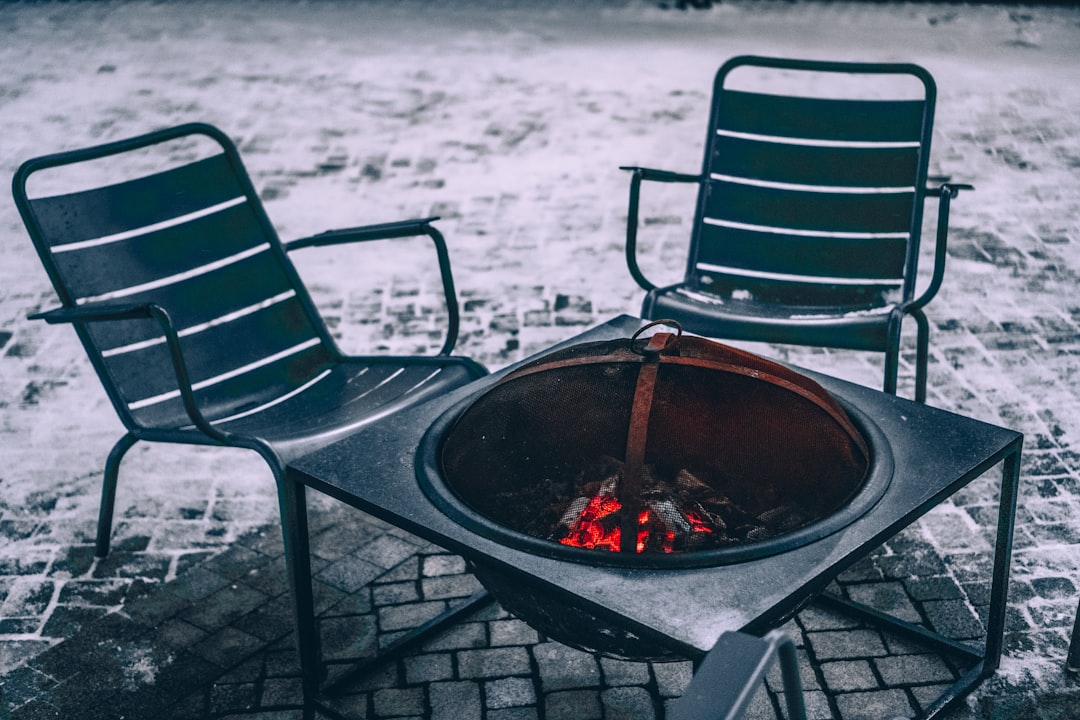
(404, 643)
(980, 670)
(935, 454)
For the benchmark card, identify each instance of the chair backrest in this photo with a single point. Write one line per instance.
(182, 228)
(814, 191)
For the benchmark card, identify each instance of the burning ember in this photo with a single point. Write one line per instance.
(595, 523)
(676, 515)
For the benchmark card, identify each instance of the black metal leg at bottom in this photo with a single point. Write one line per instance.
(409, 640)
(955, 692)
(294, 529)
(108, 493)
(293, 506)
(728, 676)
(899, 627)
(987, 659)
(1072, 663)
(394, 650)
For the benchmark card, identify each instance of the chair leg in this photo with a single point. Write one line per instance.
(789, 673)
(294, 528)
(922, 355)
(892, 369)
(1072, 664)
(728, 676)
(108, 493)
(999, 587)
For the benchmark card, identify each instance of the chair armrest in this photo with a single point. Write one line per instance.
(732, 671)
(945, 187)
(400, 229)
(102, 311)
(105, 312)
(661, 175)
(364, 233)
(639, 174)
(945, 193)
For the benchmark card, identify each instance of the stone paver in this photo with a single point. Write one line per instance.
(509, 121)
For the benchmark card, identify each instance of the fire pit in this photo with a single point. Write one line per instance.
(649, 453)
(919, 456)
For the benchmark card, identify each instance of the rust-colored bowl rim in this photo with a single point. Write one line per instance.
(431, 478)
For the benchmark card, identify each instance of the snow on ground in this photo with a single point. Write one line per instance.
(510, 121)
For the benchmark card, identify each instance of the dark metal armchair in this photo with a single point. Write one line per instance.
(195, 320)
(809, 213)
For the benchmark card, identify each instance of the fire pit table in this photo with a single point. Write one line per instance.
(916, 457)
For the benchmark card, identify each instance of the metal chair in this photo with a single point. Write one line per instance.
(194, 318)
(809, 210)
(726, 680)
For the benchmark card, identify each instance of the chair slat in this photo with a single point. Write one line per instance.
(403, 380)
(145, 369)
(862, 215)
(201, 299)
(768, 297)
(146, 201)
(235, 394)
(812, 165)
(346, 391)
(115, 268)
(820, 118)
(801, 255)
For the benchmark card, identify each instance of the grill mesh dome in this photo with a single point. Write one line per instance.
(755, 432)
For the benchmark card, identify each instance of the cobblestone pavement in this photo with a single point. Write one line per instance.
(509, 120)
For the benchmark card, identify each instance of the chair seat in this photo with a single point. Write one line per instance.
(340, 400)
(737, 319)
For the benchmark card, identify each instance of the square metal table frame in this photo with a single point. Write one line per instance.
(935, 454)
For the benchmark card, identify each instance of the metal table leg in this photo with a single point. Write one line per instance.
(988, 658)
(293, 499)
(1072, 663)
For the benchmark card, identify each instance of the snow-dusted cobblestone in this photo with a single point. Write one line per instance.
(509, 120)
